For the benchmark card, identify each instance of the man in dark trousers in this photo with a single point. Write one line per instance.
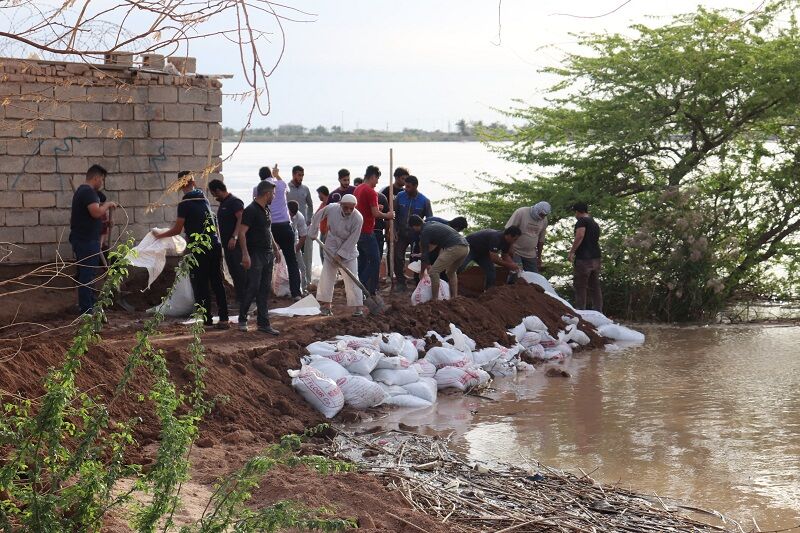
(409, 202)
(281, 226)
(256, 242)
(86, 224)
(195, 217)
(453, 249)
(585, 256)
(229, 216)
(490, 247)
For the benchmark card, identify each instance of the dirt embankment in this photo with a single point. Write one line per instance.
(250, 370)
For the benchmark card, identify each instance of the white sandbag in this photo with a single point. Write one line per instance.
(486, 356)
(321, 392)
(393, 363)
(460, 340)
(620, 333)
(536, 352)
(419, 344)
(612, 348)
(393, 344)
(441, 357)
(456, 378)
(423, 293)
(548, 341)
(151, 253)
(347, 342)
(425, 388)
(181, 303)
(483, 376)
(360, 392)
(392, 390)
(595, 318)
(553, 354)
(560, 299)
(330, 368)
(280, 278)
(500, 368)
(410, 350)
(534, 323)
(538, 279)
(425, 368)
(395, 377)
(530, 338)
(580, 337)
(565, 348)
(407, 400)
(518, 331)
(321, 348)
(522, 366)
(508, 353)
(569, 319)
(359, 361)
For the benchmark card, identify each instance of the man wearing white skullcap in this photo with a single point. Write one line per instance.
(532, 221)
(344, 229)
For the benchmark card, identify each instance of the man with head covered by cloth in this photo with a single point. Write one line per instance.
(532, 222)
(344, 230)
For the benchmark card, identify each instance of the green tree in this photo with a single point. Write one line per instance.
(684, 141)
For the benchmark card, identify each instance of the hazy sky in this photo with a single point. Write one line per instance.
(421, 63)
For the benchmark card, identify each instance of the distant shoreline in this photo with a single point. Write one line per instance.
(347, 139)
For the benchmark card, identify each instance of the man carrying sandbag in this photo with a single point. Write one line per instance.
(453, 249)
(490, 247)
(344, 230)
(532, 221)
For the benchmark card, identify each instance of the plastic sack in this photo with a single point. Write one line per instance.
(548, 341)
(568, 319)
(460, 341)
(519, 331)
(321, 392)
(620, 333)
(483, 376)
(530, 338)
(538, 279)
(510, 352)
(595, 318)
(500, 368)
(456, 378)
(425, 368)
(360, 392)
(536, 352)
(423, 293)
(181, 303)
(522, 366)
(486, 356)
(321, 348)
(441, 357)
(151, 253)
(534, 323)
(410, 350)
(553, 354)
(392, 390)
(280, 278)
(419, 344)
(393, 363)
(347, 342)
(330, 368)
(425, 388)
(395, 377)
(359, 361)
(393, 345)
(407, 400)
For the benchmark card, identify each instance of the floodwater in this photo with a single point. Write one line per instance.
(709, 416)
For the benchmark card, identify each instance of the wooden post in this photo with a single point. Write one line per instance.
(390, 225)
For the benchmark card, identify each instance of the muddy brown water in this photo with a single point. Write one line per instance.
(705, 415)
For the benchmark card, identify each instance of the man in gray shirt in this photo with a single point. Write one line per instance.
(299, 193)
(453, 249)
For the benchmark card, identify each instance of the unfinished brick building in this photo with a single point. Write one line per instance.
(57, 119)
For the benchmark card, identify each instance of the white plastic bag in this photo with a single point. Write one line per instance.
(425, 388)
(321, 392)
(407, 400)
(395, 377)
(347, 342)
(328, 367)
(530, 338)
(360, 392)
(423, 292)
(486, 356)
(536, 352)
(460, 341)
(392, 390)
(457, 378)
(280, 278)
(151, 253)
(538, 279)
(181, 303)
(534, 323)
(425, 368)
(595, 318)
(500, 368)
(441, 357)
(359, 361)
(410, 350)
(568, 319)
(393, 363)
(393, 345)
(620, 333)
(321, 348)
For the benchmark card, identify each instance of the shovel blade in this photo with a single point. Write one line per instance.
(376, 305)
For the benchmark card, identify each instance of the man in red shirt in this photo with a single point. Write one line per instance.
(369, 259)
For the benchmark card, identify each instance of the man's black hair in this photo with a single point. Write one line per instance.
(217, 185)
(580, 207)
(264, 173)
(96, 170)
(414, 221)
(324, 190)
(297, 168)
(400, 171)
(343, 172)
(372, 170)
(293, 206)
(412, 180)
(358, 181)
(458, 223)
(513, 231)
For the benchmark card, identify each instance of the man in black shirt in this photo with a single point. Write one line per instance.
(585, 253)
(86, 224)
(229, 216)
(489, 247)
(195, 217)
(256, 242)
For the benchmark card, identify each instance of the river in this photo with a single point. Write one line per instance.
(706, 415)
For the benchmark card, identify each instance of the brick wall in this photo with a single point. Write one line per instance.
(57, 119)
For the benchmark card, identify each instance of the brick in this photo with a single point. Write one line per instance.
(207, 113)
(54, 217)
(55, 111)
(40, 164)
(136, 95)
(51, 252)
(87, 111)
(22, 217)
(25, 254)
(12, 235)
(104, 94)
(38, 234)
(194, 130)
(144, 215)
(64, 199)
(88, 147)
(215, 131)
(170, 164)
(59, 182)
(117, 147)
(197, 164)
(99, 130)
(3, 149)
(148, 111)
(70, 129)
(193, 96)
(9, 89)
(201, 148)
(57, 147)
(149, 182)
(175, 147)
(25, 182)
(2, 217)
(179, 112)
(133, 129)
(23, 147)
(39, 199)
(36, 92)
(41, 129)
(71, 93)
(10, 128)
(134, 164)
(167, 95)
(72, 165)
(18, 109)
(164, 130)
(3, 182)
(13, 164)
(115, 112)
(130, 199)
(120, 182)
(148, 147)
(10, 199)
(78, 68)
(214, 97)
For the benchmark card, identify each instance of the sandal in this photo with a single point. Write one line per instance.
(326, 311)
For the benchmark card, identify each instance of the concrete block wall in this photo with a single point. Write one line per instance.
(57, 119)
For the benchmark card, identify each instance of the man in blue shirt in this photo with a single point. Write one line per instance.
(86, 223)
(410, 202)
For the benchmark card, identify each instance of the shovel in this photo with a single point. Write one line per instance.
(375, 304)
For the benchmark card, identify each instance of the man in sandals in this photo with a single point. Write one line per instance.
(344, 230)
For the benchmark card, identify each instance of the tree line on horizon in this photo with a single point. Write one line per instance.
(463, 129)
